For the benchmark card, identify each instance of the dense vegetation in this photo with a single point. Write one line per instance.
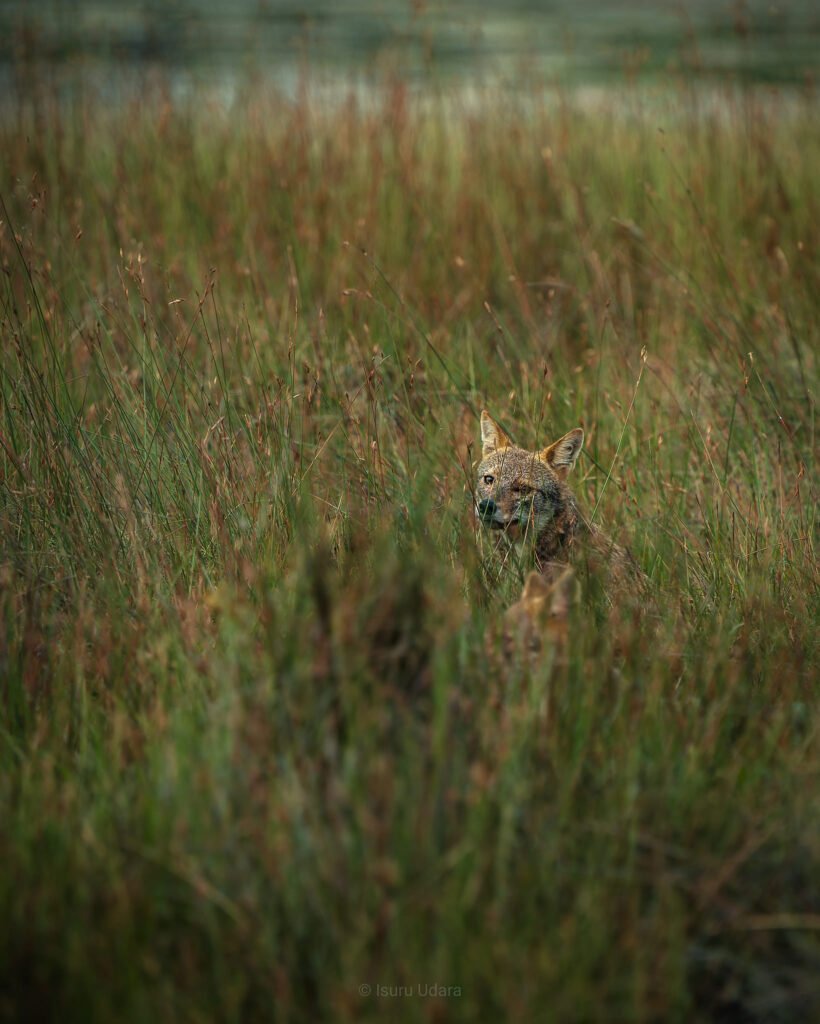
(259, 744)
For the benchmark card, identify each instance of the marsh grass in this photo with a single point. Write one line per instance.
(259, 744)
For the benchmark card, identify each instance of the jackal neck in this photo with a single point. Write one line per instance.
(554, 543)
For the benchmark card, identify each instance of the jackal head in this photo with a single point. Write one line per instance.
(520, 491)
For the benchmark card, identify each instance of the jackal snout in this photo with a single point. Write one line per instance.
(487, 510)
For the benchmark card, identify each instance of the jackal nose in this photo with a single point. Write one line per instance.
(486, 508)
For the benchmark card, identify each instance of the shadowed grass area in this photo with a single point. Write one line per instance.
(259, 745)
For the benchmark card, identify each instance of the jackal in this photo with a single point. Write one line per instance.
(540, 614)
(524, 495)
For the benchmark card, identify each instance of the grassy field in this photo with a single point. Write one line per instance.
(261, 756)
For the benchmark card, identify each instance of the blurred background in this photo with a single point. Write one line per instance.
(572, 42)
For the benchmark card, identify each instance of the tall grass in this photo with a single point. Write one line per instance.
(260, 746)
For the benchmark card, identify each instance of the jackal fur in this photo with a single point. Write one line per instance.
(525, 497)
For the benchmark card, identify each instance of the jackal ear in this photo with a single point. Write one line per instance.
(566, 591)
(492, 436)
(535, 586)
(563, 454)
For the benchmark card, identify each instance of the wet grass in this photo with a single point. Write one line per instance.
(259, 744)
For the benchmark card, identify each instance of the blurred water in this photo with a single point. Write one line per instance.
(571, 41)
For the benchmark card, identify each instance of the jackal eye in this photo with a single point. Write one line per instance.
(520, 489)
(488, 479)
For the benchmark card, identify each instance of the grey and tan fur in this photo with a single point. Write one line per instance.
(524, 496)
